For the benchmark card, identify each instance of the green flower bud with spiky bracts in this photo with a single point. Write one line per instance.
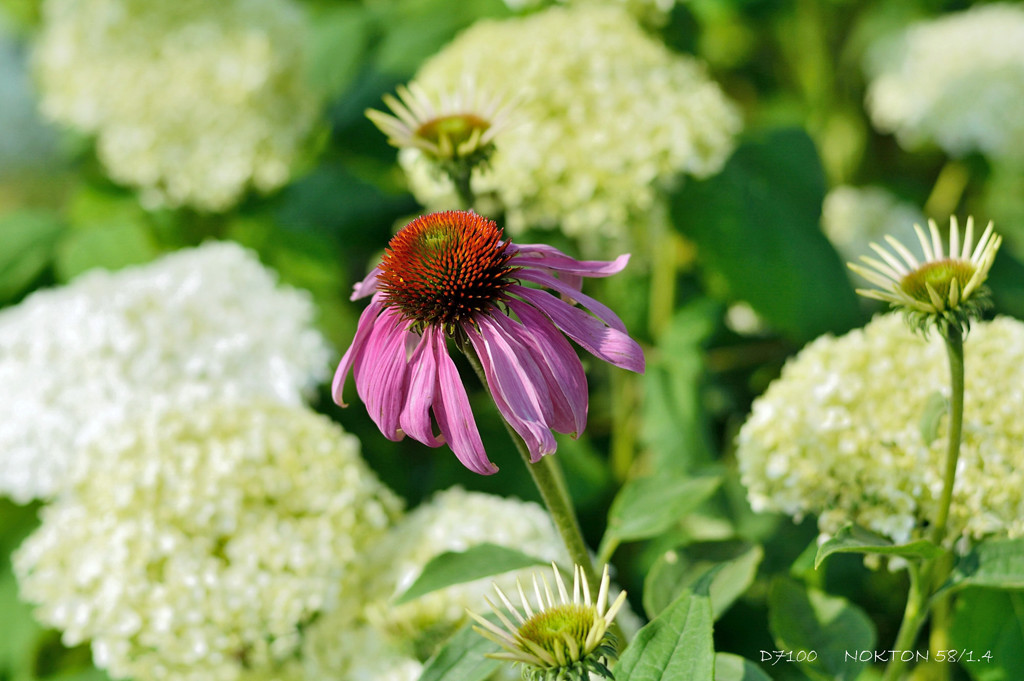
(942, 291)
(561, 640)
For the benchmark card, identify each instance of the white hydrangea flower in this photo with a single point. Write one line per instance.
(196, 543)
(654, 12)
(957, 81)
(840, 434)
(605, 118)
(453, 520)
(339, 646)
(191, 101)
(203, 323)
(853, 217)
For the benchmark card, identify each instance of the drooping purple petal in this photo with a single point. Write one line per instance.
(363, 330)
(609, 344)
(366, 287)
(542, 255)
(454, 417)
(567, 383)
(517, 385)
(600, 310)
(381, 372)
(421, 392)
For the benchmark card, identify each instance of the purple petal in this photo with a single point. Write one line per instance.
(454, 417)
(542, 255)
(366, 324)
(602, 311)
(566, 381)
(517, 385)
(381, 372)
(366, 287)
(415, 416)
(604, 342)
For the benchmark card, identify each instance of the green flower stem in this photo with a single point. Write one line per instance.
(548, 477)
(461, 175)
(955, 350)
(914, 616)
(948, 189)
(927, 579)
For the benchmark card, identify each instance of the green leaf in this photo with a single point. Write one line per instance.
(646, 507)
(476, 562)
(677, 644)
(995, 563)
(29, 239)
(757, 229)
(989, 622)
(339, 39)
(19, 633)
(110, 246)
(462, 658)
(855, 539)
(675, 426)
(676, 570)
(936, 407)
(810, 620)
(729, 667)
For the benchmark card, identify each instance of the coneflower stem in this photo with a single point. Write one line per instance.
(914, 616)
(954, 339)
(547, 476)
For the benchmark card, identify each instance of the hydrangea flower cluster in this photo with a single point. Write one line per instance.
(606, 120)
(199, 324)
(854, 217)
(453, 520)
(190, 101)
(849, 432)
(196, 543)
(381, 640)
(654, 12)
(956, 81)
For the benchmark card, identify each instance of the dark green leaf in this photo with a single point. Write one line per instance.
(757, 227)
(810, 620)
(989, 622)
(679, 569)
(675, 425)
(28, 239)
(729, 667)
(997, 563)
(482, 560)
(675, 645)
(646, 507)
(462, 658)
(855, 539)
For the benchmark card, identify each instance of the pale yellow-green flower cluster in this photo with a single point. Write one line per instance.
(654, 12)
(853, 217)
(197, 543)
(848, 432)
(199, 324)
(190, 101)
(956, 81)
(605, 119)
(382, 636)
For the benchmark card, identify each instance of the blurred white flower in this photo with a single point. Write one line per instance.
(848, 432)
(956, 81)
(654, 12)
(196, 543)
(198, 324)
(854, 217)
(606, 118)
(191, 101)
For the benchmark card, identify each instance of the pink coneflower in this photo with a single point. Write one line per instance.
(450, 275)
